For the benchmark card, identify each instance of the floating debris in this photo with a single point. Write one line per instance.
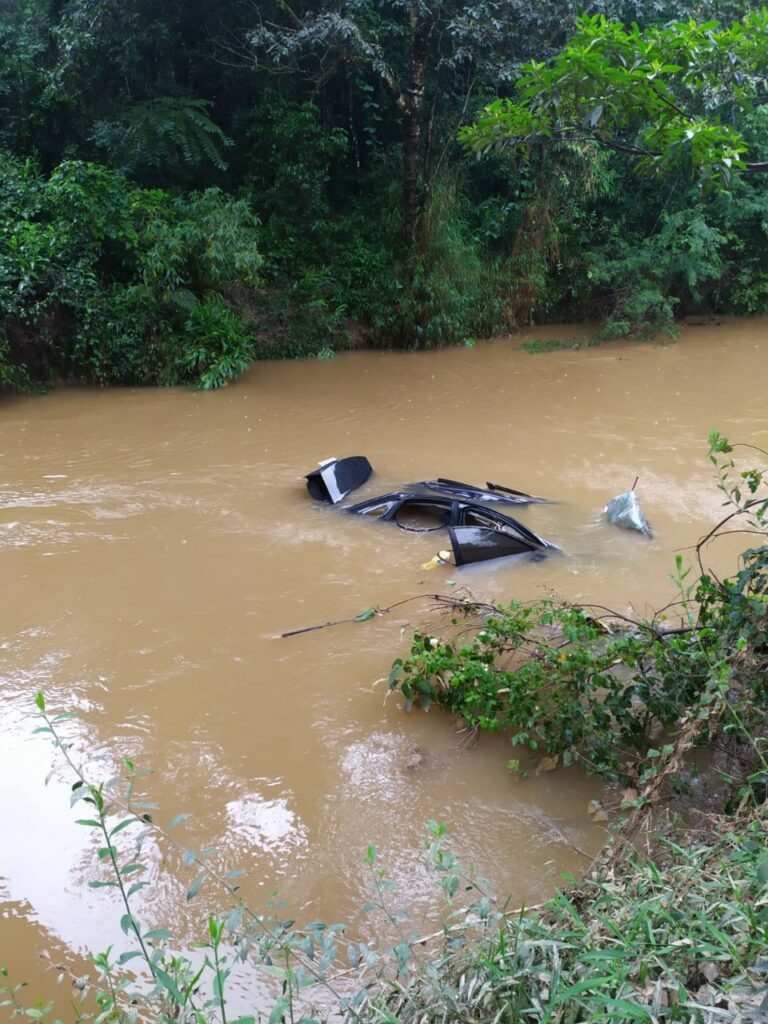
(336, 478)
(441, 558)
(624, 510)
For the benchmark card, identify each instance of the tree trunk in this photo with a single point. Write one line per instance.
(413, 118)
(411, 169)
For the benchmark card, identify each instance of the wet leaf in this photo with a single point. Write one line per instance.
(235, 919)
(125, 823)
(169, 985)
(131, 954)
(280, 1009)
(710, 971)
(196, 886)
(394, 672)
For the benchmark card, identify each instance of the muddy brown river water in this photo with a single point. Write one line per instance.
(154, 542)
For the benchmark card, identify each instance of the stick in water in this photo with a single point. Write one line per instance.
(454, 602)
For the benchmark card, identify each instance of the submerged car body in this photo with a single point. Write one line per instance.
(481, 544)
(468, 492)
(477, 533)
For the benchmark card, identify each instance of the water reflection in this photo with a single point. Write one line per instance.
(269, 825)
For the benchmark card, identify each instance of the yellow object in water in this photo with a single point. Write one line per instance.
(441, 558)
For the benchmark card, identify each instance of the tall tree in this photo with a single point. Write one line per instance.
(668, 97)
(426, 55)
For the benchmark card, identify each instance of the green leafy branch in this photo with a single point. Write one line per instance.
(666, 96)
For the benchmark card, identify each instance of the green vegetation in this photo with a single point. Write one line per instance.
(677, 938)
(102, 280)
(572, 687)
(679, 91)
(185, 187)
(621, 177)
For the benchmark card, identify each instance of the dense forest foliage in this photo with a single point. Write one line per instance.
(187, 186)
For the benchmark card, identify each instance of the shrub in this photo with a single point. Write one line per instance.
(217, 348)
(99, 279)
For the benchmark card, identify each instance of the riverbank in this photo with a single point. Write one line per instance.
(678, 937)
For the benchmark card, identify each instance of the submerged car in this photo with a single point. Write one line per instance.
(468, 492)
(477, 533)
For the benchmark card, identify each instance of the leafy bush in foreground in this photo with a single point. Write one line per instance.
(680, 939)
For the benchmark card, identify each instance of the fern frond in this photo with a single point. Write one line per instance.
(162, 133)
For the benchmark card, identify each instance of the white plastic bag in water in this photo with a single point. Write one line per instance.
(624, 510)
